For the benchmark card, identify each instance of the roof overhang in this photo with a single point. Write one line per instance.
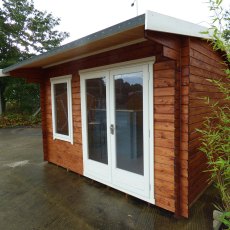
(163, 23)
(3, 74)
(124, 33)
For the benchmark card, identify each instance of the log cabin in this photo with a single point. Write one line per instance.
(121, 106)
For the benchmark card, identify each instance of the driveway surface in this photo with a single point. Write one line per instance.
(38, 195)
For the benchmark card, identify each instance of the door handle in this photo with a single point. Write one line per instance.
(112, 129)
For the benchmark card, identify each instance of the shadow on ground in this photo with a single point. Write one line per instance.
(38, 195)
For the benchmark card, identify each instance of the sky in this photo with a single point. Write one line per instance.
(83, 17)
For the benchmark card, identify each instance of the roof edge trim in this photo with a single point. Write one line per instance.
(2, 74)
(158, 22)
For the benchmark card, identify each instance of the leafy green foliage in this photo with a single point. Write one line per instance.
(21, 96)
(24, 32)
(216, 132)
(216, 146)
(225, 219)
(220, 27)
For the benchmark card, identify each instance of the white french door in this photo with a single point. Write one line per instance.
(116, 107)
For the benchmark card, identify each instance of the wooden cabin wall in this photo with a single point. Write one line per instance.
(70, 156)
(175, 48)
(164, 133)
(204, 64)
(43, 103)
(60, 152)
(171, 89)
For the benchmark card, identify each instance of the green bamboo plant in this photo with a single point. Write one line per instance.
(215, 140)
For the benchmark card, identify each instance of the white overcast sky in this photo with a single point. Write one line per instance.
(83, 17)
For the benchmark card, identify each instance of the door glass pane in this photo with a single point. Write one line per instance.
(129, 121)
(61, 108)
(96, 119)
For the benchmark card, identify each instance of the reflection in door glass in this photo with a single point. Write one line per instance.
(96, 119)
(129, 121)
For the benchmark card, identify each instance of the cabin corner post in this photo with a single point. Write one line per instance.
(181, 129)
(178, 134)
(43, 116)
(170, 53)
(176, 50)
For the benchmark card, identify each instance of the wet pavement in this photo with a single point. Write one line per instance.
(39, 195)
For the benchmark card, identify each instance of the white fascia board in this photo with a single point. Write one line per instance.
(3, 74)
(163, 23)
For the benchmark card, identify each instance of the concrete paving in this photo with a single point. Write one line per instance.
(38, 195)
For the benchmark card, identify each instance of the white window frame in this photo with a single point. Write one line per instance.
(57, 80)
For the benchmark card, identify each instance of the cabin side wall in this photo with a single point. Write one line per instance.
(71, 157)
(204, 64)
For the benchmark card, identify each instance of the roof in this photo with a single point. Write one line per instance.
(163, 23)
(2, 74)
(127, 32)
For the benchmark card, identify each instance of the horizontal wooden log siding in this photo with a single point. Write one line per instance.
(174, 48)
(204, 64)
(128, 53)
(164, 129)
(60, 152)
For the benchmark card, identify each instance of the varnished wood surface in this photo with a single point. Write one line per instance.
(204, 64)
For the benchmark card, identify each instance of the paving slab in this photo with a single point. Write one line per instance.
(38, 195)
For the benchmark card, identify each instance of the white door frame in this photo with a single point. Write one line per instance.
(132, 182)
(88, 166)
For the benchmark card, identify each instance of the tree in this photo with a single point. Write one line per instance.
(24, 32)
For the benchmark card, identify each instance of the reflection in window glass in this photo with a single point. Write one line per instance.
(96, 119)
(61, 108)
(129, 121)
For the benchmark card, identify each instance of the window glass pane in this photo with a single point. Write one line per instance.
(61, 108)
(129, 121)
(96, 119)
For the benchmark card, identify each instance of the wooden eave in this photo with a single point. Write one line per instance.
(120, 35)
